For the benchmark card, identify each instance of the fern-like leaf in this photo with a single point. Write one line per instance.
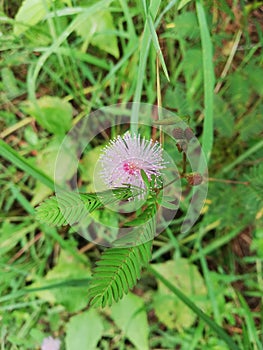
(117, 272)
(120, 267)
(70, 207)
(67, 208)
(253, 194)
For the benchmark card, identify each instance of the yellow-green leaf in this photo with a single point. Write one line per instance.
(52, 113)
(98, 31)
(169, 309)
(30, 13)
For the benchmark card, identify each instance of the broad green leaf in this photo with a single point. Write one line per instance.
(52, 113)
(9, 82)
(84, 331)
(98, 30)
(30, 13)
(31, 136)
(130, 316)
(46, 161)
(72, 298)
(169, 309)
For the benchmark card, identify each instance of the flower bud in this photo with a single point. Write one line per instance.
(194, 179)
(188, 133)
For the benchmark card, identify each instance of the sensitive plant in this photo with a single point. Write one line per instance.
(129, 163)
(220, 244)
(132, 171)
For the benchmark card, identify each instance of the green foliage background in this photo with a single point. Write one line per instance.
(61, 60)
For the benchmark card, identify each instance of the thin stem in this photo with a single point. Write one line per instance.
(159, 97)
(184, 164)
(16, 127)
(229, 61)
(212, 179)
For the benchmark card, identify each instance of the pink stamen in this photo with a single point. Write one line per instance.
(125, 156)
(130, 168)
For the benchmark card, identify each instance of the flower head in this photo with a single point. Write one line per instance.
(50, 343)
(124, 158)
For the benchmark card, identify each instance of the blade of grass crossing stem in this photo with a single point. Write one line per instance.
(14, 157)
(220, 331)
(144, 6)
(209, 80)
(157, 46)
(145, 46)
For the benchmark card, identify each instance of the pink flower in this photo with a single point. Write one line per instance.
(124, 158)
(50, 343)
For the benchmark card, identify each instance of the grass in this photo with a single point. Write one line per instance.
(8, 153)
(209, 80)
(210, 58)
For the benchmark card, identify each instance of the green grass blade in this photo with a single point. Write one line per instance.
(33, 73)
(250, 326)
(216, 244)
(209, 282)
(243, 156)
(131, 48)
(145, 46)
(81, 282)
(220, 331)
(21, 199)
(157, 45)
(14, 157)
(209, 80)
